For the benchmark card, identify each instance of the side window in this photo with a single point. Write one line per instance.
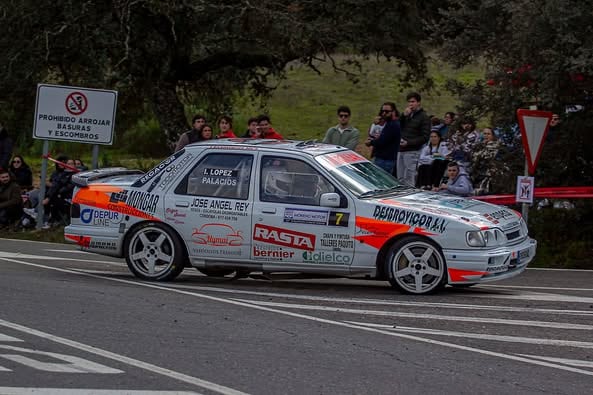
(285, 180)
(219, 175)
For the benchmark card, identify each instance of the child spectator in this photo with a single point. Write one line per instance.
(458, 182)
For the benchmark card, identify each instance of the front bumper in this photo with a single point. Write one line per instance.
(480, 265)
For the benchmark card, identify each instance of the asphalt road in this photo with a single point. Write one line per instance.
(78, 323)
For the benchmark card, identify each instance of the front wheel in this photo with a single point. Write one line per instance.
(154, 253)
(415, 266)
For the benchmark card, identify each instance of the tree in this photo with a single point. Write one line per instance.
(165, 52)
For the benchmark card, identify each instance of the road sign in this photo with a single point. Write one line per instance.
(534, 127)
(525, 189)
(79, 115)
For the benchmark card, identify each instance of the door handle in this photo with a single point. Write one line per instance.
(181, 204)
(271, 210)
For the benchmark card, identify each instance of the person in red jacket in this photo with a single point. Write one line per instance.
(265, 125)
(225, 124)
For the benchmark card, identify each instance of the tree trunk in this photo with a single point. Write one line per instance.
(169, 111)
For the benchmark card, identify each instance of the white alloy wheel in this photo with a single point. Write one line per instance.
(416, 266)
(154, 253)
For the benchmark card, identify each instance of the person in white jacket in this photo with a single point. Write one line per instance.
(432, 162)
(459, 182)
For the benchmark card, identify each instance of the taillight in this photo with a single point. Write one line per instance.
(75, 210)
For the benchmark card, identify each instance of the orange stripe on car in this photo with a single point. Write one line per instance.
(459, 275)
(379, 231)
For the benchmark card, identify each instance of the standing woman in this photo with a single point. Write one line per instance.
(432, 162)
(21, 172)
(206, 133)
(225, 124)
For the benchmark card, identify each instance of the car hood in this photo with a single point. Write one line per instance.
(465, 210)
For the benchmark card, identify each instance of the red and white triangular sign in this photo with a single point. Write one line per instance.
(534, 127)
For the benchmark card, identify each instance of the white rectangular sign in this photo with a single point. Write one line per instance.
(525, 187)
(79, 115)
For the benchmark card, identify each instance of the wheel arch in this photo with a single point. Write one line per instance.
(382, 255)
(173, 231)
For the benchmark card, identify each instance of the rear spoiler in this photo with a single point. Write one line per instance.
(85, 178)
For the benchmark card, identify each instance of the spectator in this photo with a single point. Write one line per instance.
(448, 120)
(80, 165)
(343, 134)
(5, 147)
(21, 172)
(375, 129)
(252, 130)
(386, 146)
(192, 135)
(415, 124)
(484, 166)
(432, 162)
(435, 124)
(57, 198)
(462, 142)
(225, 124)
(206, 133)
(11, 202)
(458, 181)
(265, 125)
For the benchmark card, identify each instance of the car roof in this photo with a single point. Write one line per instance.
(310, 147)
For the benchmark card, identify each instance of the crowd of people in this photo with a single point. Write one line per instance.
(448, 154)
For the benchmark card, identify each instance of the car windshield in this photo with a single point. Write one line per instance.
(360, 176)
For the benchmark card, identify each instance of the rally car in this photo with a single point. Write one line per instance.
(261, 207)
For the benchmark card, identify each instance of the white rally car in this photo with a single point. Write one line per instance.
(268, 206)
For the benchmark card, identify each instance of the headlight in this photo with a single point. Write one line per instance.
(485, 238)
(524, 230)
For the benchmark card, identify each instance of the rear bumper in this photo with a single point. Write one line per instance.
(100, 240)
(480, 266)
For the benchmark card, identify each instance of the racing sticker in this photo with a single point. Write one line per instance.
(108, 197)
(220, 209)
(284, 237)
(228, 177)
(326, 257)
(140, 200)
(215, 251)
(312, 217)
(341, 158)
(401, 216)
(175, 216)
(271, 253)
(338, 218)
(100, 217)
(500, 214)
(217, 235)
(157, 169)
(169, 173)
(337, 240)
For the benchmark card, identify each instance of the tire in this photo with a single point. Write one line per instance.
(216, 272)
(415, 265)
(154, 253)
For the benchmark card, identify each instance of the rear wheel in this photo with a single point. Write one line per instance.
(153, 252)
(415, 265)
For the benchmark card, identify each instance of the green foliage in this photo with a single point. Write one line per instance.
(145, 138)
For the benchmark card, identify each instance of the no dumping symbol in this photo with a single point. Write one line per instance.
(76, 103)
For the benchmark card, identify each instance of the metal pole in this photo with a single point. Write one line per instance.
(525, 207)
(95, 162)
(40, 208)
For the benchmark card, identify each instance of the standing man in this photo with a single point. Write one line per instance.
(192, 135)
(11, 202)
(415, 124)
(343, 134)
(386, 146)
(264, 124)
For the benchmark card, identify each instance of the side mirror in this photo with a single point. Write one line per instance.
(330, 199)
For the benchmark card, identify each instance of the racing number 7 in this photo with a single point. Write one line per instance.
(337, 218)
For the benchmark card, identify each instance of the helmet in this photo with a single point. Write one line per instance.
(277, 182)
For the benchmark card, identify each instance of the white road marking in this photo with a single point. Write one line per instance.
(72, 251)
(3, 369)
(73, 364)
(559, 270)
(382, 302)
(122, 358)
(84, 391)
(480, 336)
(532, 287)
(571, 362)
(383, 313)
(19, 255)
(6, 338)
(311, 318)
(540, 297)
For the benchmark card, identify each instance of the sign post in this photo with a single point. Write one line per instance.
(73, 114)
(534, 127)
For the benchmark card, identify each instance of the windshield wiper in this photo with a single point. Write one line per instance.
(380, 191)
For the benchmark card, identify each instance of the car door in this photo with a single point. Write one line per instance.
(290, 228)
(211, 206)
